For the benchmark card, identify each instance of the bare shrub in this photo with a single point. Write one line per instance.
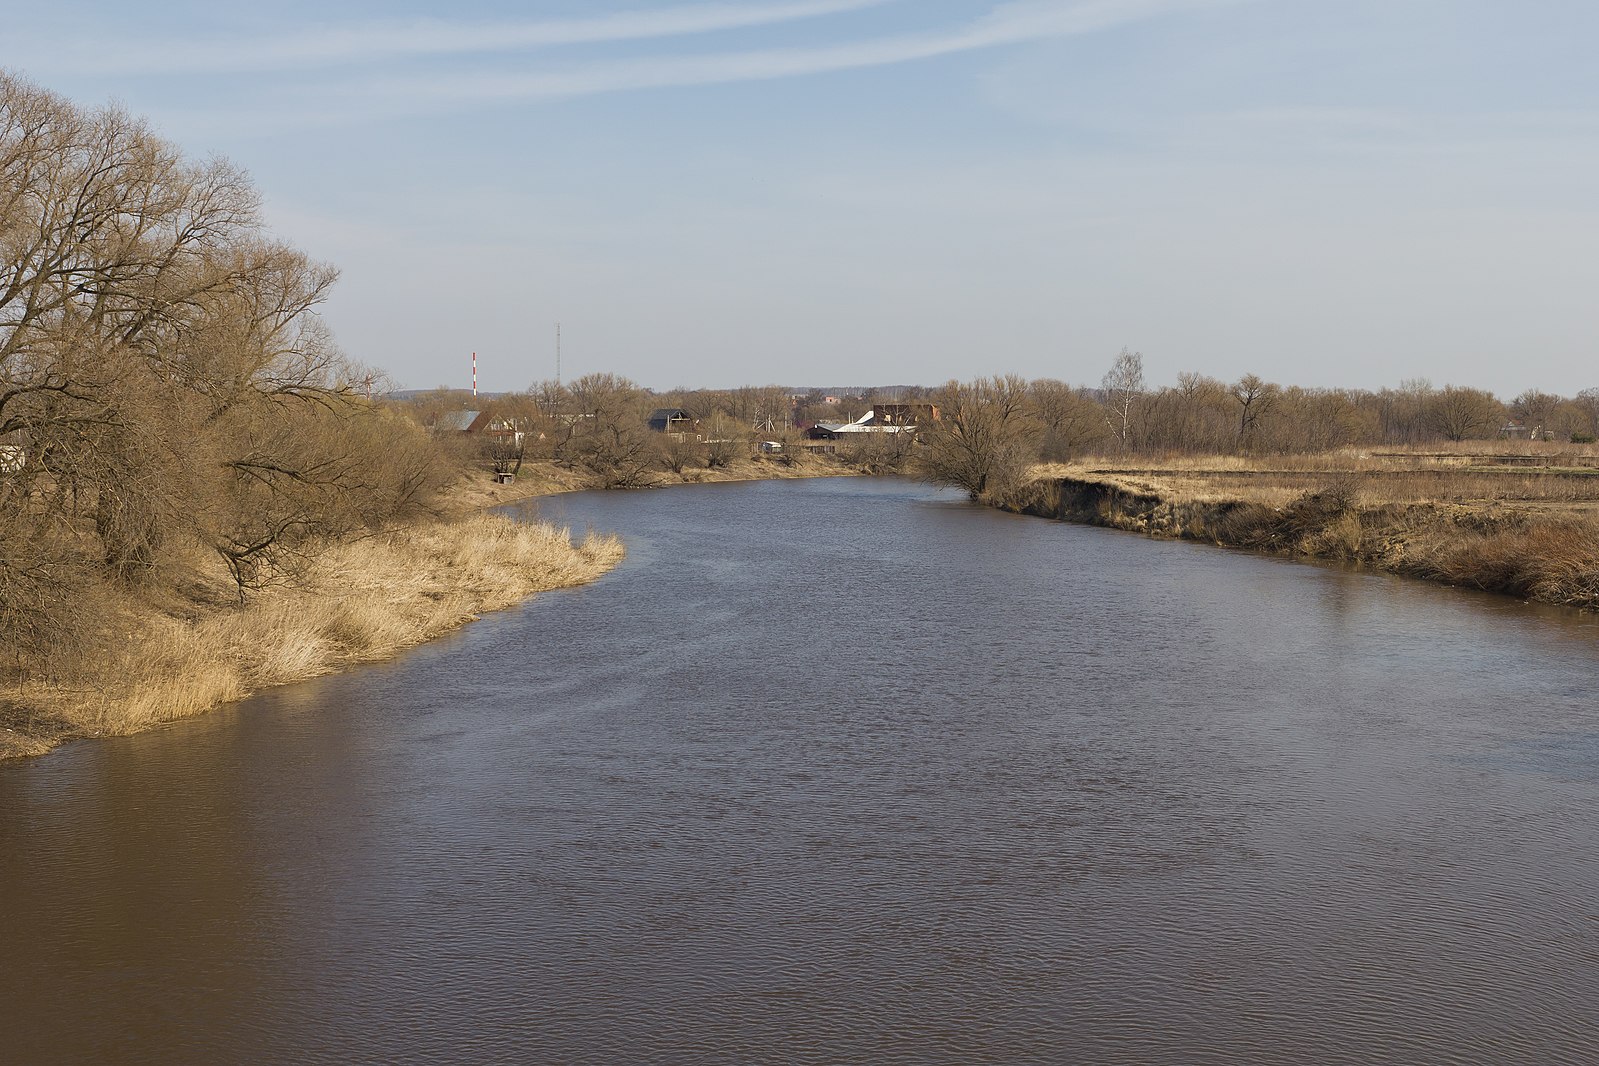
(678, 451)
(48, 598)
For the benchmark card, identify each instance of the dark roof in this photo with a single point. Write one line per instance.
(663, 414)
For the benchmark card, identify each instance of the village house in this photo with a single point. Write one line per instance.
(481, 424)
(473, 422)
(671, 420)
(867, 423)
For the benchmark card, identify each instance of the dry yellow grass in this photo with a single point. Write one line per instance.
(360, 602)
(542, 477)
(1401, 476)
(1532, 533)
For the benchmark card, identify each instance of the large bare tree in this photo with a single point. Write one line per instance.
(985, 437)
(1459, 413)
(610, 437)
(166, 384)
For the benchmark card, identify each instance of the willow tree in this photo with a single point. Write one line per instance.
(985, 437)
(608, 436)
(164, 377)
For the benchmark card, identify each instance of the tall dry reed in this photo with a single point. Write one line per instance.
(360, 602)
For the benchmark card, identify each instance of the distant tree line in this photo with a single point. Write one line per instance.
(166, 386)
(994, 428)
(991, 430)
(599, 425)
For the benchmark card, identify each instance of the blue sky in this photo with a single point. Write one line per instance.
(887, 191)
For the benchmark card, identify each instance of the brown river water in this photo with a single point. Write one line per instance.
(849, 771)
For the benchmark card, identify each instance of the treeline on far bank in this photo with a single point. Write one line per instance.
(983, 435)
(609, 432)
(172, 409)
(1319, 481)
(991, 431)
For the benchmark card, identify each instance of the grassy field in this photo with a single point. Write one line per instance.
(1510, 517)
(1565, 478)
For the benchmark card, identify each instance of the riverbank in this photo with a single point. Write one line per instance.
(1533, 534)
(546, 478)
(364, 601)
(197, 647)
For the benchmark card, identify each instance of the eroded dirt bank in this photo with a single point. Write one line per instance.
(1535, 555)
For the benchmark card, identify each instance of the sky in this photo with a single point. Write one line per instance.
(712, 193)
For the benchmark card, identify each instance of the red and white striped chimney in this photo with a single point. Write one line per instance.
(474, 375)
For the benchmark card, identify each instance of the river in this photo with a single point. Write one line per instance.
(849, 771)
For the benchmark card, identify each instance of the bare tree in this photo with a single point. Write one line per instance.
(1587, 403)
(1069, 418)
(985, 437)
(1459, 413)
(1536, 410)
(505, 453)
(1403, 411)
(678, 451)
(724, 440)
(1256, 399)
(163, 368)
(609, 436)
(1123, 385)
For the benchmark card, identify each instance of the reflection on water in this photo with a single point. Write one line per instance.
(849, 771)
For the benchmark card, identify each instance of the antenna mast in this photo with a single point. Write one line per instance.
(474, 375)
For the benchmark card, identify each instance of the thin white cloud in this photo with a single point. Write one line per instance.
(375, 42)
(364, 98)
(1010, 23)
